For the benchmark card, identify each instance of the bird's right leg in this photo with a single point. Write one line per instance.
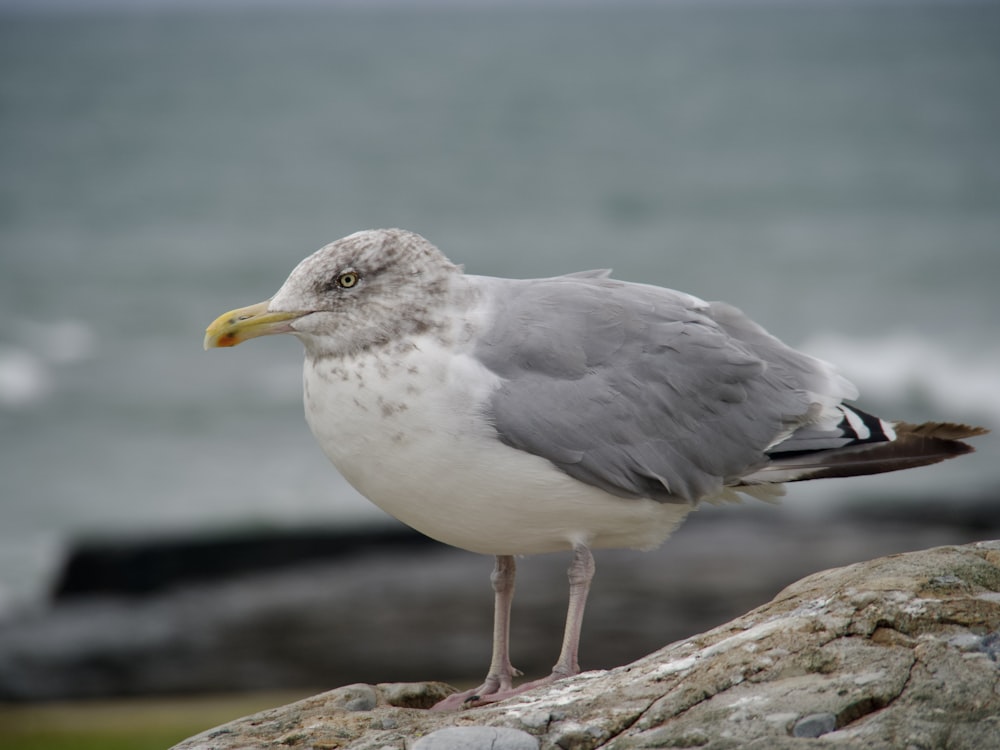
(501, 675)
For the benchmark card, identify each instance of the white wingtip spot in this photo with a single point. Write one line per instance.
(857, 423)
(889, 429)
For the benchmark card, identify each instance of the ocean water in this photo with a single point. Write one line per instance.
(833, 169)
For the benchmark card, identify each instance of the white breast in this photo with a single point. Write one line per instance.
(407, 429)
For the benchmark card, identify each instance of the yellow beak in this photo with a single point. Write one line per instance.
(236, 326)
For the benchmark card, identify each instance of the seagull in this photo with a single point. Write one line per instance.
(514, 417)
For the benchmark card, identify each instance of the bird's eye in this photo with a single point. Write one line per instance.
(348, 279)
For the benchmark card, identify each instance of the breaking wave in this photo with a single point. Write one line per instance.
(28, 367)
(906, 373)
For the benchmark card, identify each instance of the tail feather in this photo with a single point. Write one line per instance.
(942, 430)
(904, 446)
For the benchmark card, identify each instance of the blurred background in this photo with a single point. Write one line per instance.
(167, 524)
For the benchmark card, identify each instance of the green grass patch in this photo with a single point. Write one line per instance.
(128, 724)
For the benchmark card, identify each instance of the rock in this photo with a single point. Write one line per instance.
(814, 725)
(898, 652)
(353, 698)
(469, 738)
(135, 566)
(414, 694)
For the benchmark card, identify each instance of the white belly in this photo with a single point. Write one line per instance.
(423, 453)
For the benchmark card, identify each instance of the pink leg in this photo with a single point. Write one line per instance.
(501, 675)
(581, 573)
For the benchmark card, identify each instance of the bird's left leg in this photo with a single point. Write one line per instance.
(580, 573)
(500, 678)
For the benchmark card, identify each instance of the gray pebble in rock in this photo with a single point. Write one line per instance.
(537, 719)
(990, 645)
(474, 738)
(359, 697)
(814, 725)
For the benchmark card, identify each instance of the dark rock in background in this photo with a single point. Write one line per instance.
(142, 566)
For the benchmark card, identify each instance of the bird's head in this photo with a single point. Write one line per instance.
(361, 291)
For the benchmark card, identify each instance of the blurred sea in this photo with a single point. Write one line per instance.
(832, 168)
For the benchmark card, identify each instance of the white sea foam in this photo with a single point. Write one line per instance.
(60, 341)
(28, 367)
(24, 378)
(911, 372)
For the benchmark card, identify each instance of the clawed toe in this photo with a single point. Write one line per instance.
(465, 699)
(470, 698)
(486, 694)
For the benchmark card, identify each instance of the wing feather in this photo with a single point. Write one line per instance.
(644, 391)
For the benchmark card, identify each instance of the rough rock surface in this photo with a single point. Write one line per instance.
(899, 652)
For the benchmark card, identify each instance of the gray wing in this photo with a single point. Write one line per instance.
(643, 391)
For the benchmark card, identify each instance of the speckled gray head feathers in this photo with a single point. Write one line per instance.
(367, 289)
